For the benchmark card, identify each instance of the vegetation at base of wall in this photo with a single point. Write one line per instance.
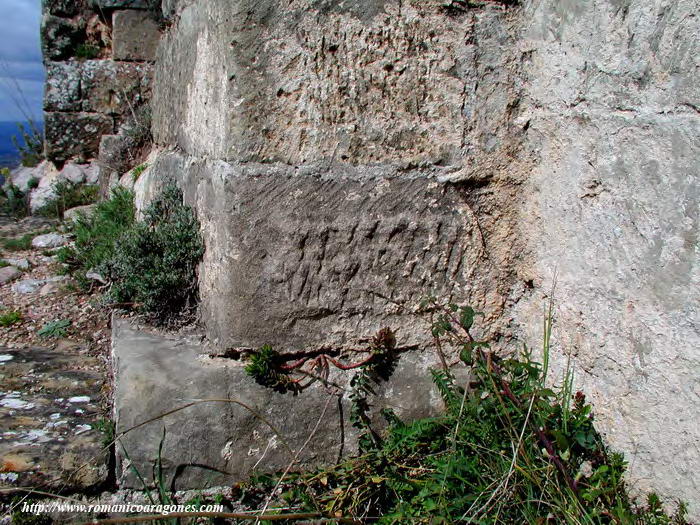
(14, 202)
(138, 132)
(67, 196)
(31, 145)
(151, 264)
(154, 262)
(138, 170)
(95, 235)
(507, 448)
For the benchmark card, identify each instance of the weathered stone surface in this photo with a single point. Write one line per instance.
(361, 83)
(49, 240)
(101, 86)
(115, 154)
(65, 8)
(72, 173)
(135, 35)
(115, 88)
(330, 260)
(612, 209)
(62, 90)
(9, 273)
(22, 264)
(571, 127)
(60, 36)
(122, 4)
(22, 176)
(48, 404)
(74, 135)
(27, 286)
(218, 443)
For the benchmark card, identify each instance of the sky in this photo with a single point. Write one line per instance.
(21, 70)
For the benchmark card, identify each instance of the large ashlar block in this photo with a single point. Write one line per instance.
(302, 261)
(135, 35)
(101, 86)
(218, 442)
(74, 135)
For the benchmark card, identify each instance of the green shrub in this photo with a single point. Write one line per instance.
(95, 235)
(153, 264)
(14, 202)
(150, 265)
(67, 196)
(506, 450)
(10, 317)
(55, 329)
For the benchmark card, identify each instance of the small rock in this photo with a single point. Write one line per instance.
(21, 176)
(79, 399)
(92, 174)
(9, 273)
(22, 264)
(49, 240)
(80, 429)
(78, 211)
(27, 285)
(49, 288)
(44, 192)
(94, 276)
(72, 173)
(127, 181)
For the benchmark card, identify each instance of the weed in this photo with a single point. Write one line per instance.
(507, 448)
(138, 170)
(14, 202)
(87, 51)
(4, 264)
(67, 196)
(55, 329)
(31, 145)
(138, 132)
(96, 235)
(32, 183)
(106, 427)
(10, 317)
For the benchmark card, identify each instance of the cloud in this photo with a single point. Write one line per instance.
(20, 99)
(19, 27)
(21, 70)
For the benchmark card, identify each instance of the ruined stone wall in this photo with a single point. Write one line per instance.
(347, 158)
(98, 56)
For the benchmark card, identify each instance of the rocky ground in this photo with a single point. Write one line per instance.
(54, 396)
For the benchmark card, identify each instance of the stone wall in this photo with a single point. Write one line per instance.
(347, 158)
(557, 141)
(99, 57)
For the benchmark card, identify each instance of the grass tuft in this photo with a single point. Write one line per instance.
(10, 317)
